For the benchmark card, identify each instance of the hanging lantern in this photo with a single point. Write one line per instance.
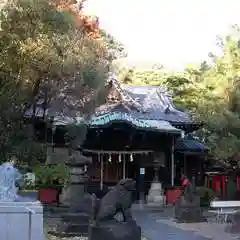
(131, 158)
(119, 158)
(182, 134)
(110, 158)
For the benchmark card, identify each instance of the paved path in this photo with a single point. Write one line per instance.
(157, 230)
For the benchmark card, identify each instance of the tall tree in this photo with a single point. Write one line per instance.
(49, 51)
(220, 110)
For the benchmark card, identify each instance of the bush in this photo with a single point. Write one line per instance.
(231, 189)
(206, 196)
(51, 175)
(237, 196)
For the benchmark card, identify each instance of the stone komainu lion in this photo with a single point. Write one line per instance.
(119, 199)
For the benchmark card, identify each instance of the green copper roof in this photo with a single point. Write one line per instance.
(109, 118)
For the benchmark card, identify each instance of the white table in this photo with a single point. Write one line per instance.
(225, 208)
(224, 213)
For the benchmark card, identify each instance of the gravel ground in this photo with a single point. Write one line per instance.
(49, 237)
(51, 223)
(76, 238)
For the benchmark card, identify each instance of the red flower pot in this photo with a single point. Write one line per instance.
(48, 195)
(173, 195)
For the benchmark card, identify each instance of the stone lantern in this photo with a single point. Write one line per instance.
(155, 195)
(75, 199)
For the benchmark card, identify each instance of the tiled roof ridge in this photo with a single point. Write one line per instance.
(126, 98)
(161, 91)
(166, 97)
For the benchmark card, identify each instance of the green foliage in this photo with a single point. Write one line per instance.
(220, 110)
(29, 152)
(116, 48)
(231, 189)
(206, 196)
(45, 54)
(153, 77)
(51, 175)
(211, 93)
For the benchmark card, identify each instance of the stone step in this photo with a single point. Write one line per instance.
(71, 230)
(56, 207)
(75, 218)
(77, 228)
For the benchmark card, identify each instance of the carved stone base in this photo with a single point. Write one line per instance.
(75, 221)
(234, 228)
(74, 224)
(113, 230)
(188, 211)
(155, 196)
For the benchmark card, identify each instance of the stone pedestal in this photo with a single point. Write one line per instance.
(234, 228)
(21, 220)
(75, 219)
(113, 230)
(188, 211)
(155, 195)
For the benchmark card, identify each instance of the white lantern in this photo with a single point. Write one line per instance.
(119, 158)
(110, 158)
(131, 158)
(182, 134)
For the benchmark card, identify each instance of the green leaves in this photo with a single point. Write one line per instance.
(221, 100)
(44, 53)
(210, 93)
(52, 175)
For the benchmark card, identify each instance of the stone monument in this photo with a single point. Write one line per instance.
(155, 195)
(234, 228)
(104, 225)
(74, 199)
(187, 208)
(21, 217)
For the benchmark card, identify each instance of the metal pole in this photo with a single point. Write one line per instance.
(101, 180)
(172, 163)
(124, 166)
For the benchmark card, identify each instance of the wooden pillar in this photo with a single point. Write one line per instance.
(184, 164)
(172, 163)
(206, 181)
(101, 176)
(124, 166)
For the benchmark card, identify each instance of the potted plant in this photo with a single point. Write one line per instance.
(50, 179)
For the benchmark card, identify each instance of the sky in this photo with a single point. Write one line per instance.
(170, 32)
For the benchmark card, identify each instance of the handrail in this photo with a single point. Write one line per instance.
(30, 211)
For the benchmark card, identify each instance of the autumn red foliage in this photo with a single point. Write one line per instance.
(88, 23)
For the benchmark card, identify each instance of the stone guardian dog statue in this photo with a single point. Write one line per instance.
(104, 225)
(119, 199)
